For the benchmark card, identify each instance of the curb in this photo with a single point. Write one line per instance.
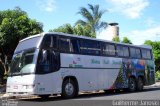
(157, 84)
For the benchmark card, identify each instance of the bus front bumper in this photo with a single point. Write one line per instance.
(18, 95)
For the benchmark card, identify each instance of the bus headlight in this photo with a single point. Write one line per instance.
(29, 86)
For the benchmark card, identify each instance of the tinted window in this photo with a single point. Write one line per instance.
(122, 51)
(48, 62)
(49, 42)
(64, 44)
(132, 52)
(146, 54)
(138, 53)
(54, 42)
(46, 42)
(108, 49)
(135, 52)
(90, 47)
(75, 46)
(125, 51)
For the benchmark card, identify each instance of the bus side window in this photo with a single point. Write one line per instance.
(49, 42)
(146, 54)
(122, 51)
(149, 54)
(48, 61)
(90, 47)
(46, 42)
(108, 49)
(75, 46)
(135, 52)
(53, 42)
(43, 62)
(125, 52)
(64, 44)
(138, 53)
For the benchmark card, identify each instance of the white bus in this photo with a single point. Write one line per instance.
(59, 63)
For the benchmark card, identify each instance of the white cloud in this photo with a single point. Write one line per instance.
(46, 5)
(150, 22)
(139, 36)
(131, 8)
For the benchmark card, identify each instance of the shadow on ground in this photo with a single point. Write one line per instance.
(87, 96)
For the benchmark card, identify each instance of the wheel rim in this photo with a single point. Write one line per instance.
(132, 85)
(69, 89)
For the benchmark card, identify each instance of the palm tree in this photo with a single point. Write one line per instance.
(92, 18)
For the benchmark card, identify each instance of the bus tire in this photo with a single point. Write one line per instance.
(69, 89)
(140, 84)
(131, 84)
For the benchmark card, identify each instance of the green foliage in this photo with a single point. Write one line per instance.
(14, 26)
(116, 39)
(156, 52)
(77, 30)
(88, 26)
(126, 40)
(157, 75)
(92, 18)
(67, 28)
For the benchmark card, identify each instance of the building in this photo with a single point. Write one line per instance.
(113, 30)
(110, 32)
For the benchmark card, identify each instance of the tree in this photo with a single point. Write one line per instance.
(156, 52)
(116, 39)
(84, 31)
(14, 26)
(126, 40)
(92, 18)
(77, 30)
(66, 28)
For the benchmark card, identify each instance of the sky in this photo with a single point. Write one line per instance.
(138, 20)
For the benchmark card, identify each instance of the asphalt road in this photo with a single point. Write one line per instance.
(151, 94)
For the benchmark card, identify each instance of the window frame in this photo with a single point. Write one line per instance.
(135, 55)
(51, 36)
(122, 46)
(78, 45)
(104, 44)
(59, 44)
(101, 46)
(85, 41)
(150, 51)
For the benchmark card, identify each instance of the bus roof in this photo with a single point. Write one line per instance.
(85, 37)
(32, 36)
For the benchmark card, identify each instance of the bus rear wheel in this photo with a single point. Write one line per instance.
(69, 89)
(132, 84)
(140, 84)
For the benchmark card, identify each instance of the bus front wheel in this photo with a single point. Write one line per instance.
(69, 89)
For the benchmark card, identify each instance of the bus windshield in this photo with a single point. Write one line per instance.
(22, 63)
